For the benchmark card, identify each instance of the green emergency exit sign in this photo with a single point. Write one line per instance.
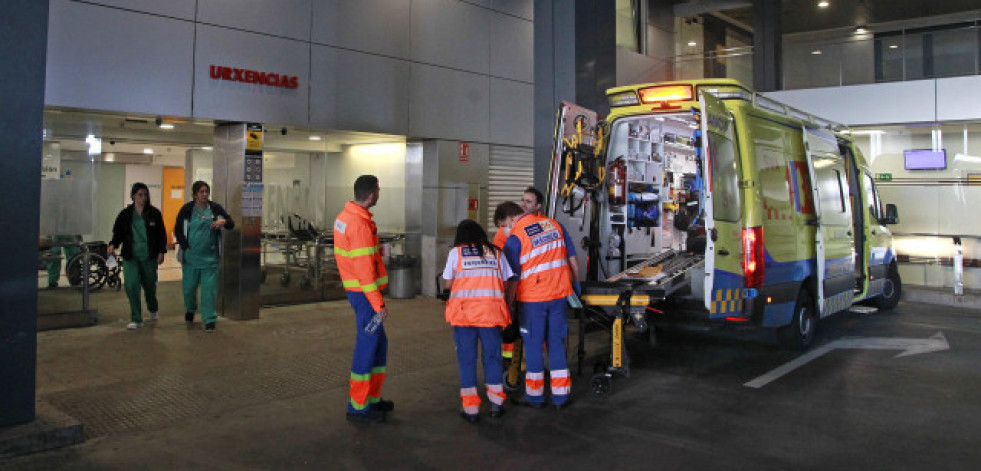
(883, 177)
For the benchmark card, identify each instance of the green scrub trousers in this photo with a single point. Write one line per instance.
(200, 266)
(140, 271)
(54, 266)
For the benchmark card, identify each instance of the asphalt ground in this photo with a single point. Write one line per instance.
(270, 394)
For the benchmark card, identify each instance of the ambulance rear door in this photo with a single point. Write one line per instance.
(721, 210)
(834, 238)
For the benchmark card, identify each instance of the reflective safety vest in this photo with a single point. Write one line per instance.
(500, 238)
(545, 272)
(356, 251)
(477, 293)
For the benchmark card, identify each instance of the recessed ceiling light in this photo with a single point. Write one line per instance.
(148, 151)
(207, 148)
(823, 4)
(816, 52)
(314, 138)
(692, 43)
(893, 46)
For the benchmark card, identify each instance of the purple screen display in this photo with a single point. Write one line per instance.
(925, 159)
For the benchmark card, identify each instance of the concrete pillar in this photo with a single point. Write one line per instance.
(24, 34)
(767, 50)
(238, 187)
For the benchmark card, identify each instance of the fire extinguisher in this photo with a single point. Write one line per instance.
(618, 182)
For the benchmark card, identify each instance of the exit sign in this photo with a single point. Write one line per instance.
(883, 177)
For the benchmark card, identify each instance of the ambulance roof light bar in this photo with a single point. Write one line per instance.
(666, 93)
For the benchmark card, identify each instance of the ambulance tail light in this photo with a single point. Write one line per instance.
(664, 94)
(753, 256)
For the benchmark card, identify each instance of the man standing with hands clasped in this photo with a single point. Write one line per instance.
(542, 255)
(363, 275)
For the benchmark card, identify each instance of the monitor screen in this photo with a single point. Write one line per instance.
(926, 159)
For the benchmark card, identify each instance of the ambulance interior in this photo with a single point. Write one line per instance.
(651, 184)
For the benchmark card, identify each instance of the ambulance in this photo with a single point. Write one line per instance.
(704, 202)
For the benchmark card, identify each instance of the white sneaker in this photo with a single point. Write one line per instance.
(134, 325)
(153, 316)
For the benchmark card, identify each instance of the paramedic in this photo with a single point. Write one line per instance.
(140, 229)
(198, 232)
(364, 276)
(475, 274)
(543, 257)
(504, 216)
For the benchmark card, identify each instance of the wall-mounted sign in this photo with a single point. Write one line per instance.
(464, 152)
(253, 76)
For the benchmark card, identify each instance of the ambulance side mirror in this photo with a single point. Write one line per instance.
(892, 215)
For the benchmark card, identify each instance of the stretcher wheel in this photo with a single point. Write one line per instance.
(601, 384)
(284, 279)
(513, 384)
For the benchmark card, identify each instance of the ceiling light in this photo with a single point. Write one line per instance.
(861, 30)
(148, 151)
(823, 4)
(166, 126)
(893, 46)
(314, 138)
(692, 43)
(207, 148)
(816, 52)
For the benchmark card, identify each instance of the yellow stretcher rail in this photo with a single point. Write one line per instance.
(611, 299)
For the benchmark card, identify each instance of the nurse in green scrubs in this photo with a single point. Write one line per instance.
(140, 230)
(54, 266)
(198, 231)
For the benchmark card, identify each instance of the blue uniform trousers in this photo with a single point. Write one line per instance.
(545, 324)
(370, 356)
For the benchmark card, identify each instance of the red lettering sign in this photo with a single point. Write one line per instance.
(464, 152)
(472, 205)
(271, 79)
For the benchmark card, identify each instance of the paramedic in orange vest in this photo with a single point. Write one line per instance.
(543, 257)
(504, 216)
(475, 274)
(363, 275)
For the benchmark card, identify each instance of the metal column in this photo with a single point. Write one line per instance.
(238, 187)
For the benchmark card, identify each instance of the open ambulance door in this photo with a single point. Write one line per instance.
(571, 206)
(834, 240)
(721, 212)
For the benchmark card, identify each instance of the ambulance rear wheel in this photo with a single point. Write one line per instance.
(892, 289)
(799, 334)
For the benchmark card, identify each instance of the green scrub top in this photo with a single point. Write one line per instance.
(141, 250)
(203, 241)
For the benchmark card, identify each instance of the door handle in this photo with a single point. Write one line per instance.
(849, 233)
(723, 252)
(714, 234)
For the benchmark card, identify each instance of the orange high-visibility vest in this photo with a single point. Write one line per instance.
(477, 293)
(356, 251)
(545, 272)
(500, 238)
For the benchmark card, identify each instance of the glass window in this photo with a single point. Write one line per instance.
(628, 24)
(833, 195)
(725, 178)
(952, 53)
(871, 197)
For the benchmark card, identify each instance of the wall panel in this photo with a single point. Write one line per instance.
(183, 9)
(375, 26)
(357, 91)
(448, 104)
(512, 112)
(110, 59)
(286, 18)
(239, 101)
(451, 34)
(511, 56)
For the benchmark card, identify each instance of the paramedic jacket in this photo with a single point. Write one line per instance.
(356, 251)
(538, 250)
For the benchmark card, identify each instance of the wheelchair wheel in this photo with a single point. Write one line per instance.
(96, 271)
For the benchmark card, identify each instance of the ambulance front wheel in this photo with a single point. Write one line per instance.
(799, 334)
(892, 289)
